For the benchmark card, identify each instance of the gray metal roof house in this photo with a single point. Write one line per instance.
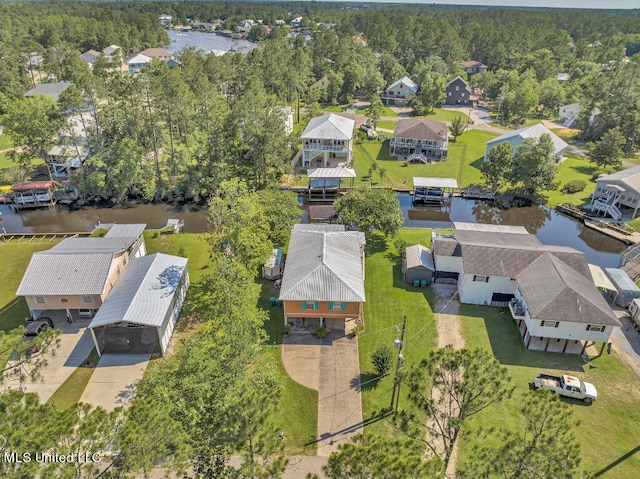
(517, 137)
(140, 313)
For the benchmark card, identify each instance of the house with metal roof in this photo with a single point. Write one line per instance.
(617, 194)
(399, 92)
(323, 281)
(52, 90)
(420, 140)
(326, 142)
(549, 289)
(137, 62)
(517, 137)
(624, 289)
(140, 313)
(77, 274)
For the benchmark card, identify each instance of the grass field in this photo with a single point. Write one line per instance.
(608, 430)
(388, 300)
(573, 168)
(5, 142)
(335, 108)
(446, 115)
(387, 124)
(398, 174)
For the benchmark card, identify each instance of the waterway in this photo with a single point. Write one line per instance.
(550, 227)
(207, 42)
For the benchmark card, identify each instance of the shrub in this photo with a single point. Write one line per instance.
(286, 330)
(596, 174)
(382, 359)
(574, 186)
(321, 332)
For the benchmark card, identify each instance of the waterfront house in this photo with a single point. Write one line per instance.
(399, 92)
(326, 142)
(420, 139)
(323, 281)
(77, 274)
(141, 311)
(137, 62)
(458, 93)
(517, 137)
(617, 194)
(549, 289)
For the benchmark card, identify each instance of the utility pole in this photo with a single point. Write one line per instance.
(395, 395)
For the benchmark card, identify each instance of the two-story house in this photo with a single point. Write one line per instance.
(549, 289)
(72, 149)
(137, 62)
(617, 194)
(420, 139)
(398, 93)
(458, 93)
(77, 274)
(326, 142)
(472, 67)
(323, 281)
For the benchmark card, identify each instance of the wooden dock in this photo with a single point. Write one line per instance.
(4, 236)
(612, 231)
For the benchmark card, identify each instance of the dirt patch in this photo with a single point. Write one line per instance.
(446, 313)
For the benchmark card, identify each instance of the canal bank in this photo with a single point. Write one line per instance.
(549, 226)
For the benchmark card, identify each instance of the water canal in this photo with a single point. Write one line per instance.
(549, 226)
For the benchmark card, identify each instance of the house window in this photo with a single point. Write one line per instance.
(457, 87)
(463, 95)
(481, 279)
(310, 305)
(596, 327)
(550, 324)
(337, 306)
(87, 299)
(40, 299)
(449, 93)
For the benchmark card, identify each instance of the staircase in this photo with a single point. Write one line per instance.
(612, 210)
(417, 157)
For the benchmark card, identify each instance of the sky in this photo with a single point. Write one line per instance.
(597, 4)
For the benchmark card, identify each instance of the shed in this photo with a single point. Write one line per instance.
(140, 313)
(272, 269)
(625, 288)
(418, 264)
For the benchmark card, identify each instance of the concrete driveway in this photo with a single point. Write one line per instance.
(114, 380)
(331, 366)
(75, 346)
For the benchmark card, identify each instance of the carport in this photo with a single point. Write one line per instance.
(139, 315)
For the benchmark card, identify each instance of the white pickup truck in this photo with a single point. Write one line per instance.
(569, 386)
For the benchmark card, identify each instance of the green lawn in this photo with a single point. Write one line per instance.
(573, 168)
(190, 245)
(5, 142)
(335, 108)
(387, 124)
(399, 176)
(14, 259)
(5, 162)
(70, 391)
(446, 115)
(388, 300)
(608, 430)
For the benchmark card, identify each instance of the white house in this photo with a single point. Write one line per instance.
(326, 141)
(549, 289)
(399, 92)
(517, 137)
(138, 62)
(570, 114)
(617, 194)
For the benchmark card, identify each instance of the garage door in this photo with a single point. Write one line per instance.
(130, 340)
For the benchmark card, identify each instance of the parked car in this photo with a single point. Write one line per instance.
(33, 330)
(366, 127)
(569, 386)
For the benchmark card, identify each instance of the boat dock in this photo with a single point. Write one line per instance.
(610, 229)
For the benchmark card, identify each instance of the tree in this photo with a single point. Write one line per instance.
(533, 167)
(368, 457)
(458, 126)
(608, 151)
(375, 110)
(26, 359)
(543, 446)
(33, 124)
(431, 89)
(449, 387)
(382, 358)
(369, 209)
(496, 168)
